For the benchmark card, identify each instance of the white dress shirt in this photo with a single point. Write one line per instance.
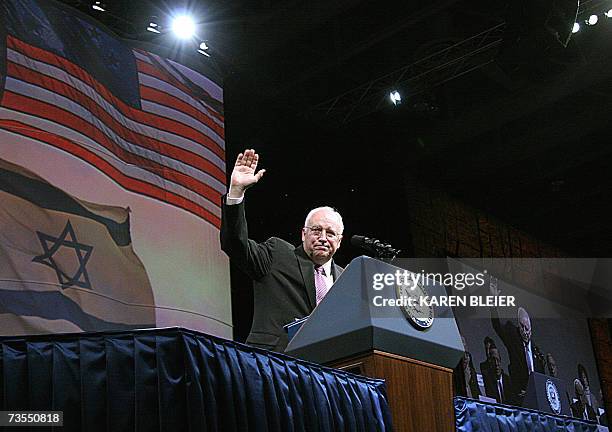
(529, 357)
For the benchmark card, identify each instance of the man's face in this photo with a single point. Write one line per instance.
(487, 348)
(583, 379)
(322, 237)
(495, 361)
(552, 365)
(525, 328)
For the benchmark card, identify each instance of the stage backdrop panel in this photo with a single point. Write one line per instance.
(177, 380)
(560, 338)
(106, 124)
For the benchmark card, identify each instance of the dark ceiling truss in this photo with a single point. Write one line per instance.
(355, 46)
(426, 73)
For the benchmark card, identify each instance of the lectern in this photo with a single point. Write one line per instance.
(413, 351)
(546, 394)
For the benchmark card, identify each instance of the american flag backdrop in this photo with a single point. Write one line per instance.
(106, 121)
(169, 146)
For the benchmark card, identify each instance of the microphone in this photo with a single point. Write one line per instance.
(380, 249)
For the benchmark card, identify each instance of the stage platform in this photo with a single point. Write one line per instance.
(174, 379)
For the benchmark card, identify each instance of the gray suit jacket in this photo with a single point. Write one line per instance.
(282, 274)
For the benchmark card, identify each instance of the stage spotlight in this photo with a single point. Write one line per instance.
(203, 49)
(592, 20)
(396, 98)
(99, 6)
(608, 14)
(153, 28)
(153, 25)
(183, 27)
(576, 28)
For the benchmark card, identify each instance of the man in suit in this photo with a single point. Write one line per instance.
(288, 281)
(590, 398)
(524, 355)
(485, 366)
(551, 366)
(497, 384)
(464, 375)
(581, 409)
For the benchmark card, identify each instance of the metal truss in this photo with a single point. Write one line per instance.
(433, 70)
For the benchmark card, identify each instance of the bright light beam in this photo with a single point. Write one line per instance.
(592, 20)
(99, 6)
(395, 97)
(183, 27)
(153, 28)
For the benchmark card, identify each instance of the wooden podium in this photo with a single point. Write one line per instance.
(420, 394)
(348, 331)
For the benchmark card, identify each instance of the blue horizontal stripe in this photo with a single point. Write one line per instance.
(53, 305)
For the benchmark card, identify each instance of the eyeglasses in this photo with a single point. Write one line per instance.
(317, 231)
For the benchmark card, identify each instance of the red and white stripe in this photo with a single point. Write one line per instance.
(182, 76)
(172, 150)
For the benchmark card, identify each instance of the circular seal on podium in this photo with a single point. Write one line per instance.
(552, 394)
(417, 308)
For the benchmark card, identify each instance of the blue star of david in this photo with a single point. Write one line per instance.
(51, 245)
